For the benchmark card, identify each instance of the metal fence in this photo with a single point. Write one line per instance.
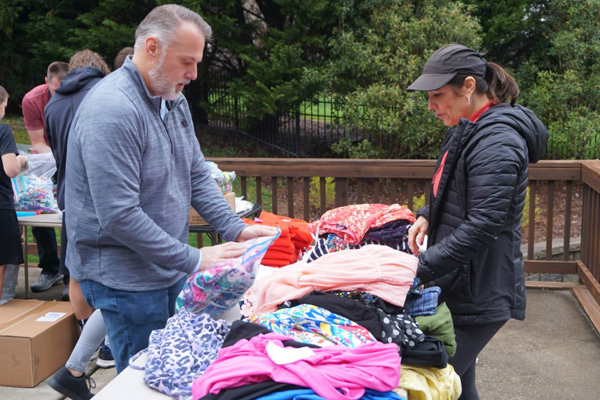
(311, 129)
(307, 131)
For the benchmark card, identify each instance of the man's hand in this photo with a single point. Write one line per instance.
(416, 234)
(255, 231)
(38, 142)
(213, 254)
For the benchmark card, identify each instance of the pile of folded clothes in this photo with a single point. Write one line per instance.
(354, 226)
(294, 240)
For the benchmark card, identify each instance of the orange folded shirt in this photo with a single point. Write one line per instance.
(298, 229)
(294, 237)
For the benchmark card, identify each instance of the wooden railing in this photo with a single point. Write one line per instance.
(563, 202)
(588, 267)
(558, 190)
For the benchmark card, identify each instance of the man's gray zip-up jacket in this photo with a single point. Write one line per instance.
(131, 177)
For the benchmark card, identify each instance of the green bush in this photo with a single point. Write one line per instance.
(562, 84)
(314, 195)
(377, 50)
(347, 148)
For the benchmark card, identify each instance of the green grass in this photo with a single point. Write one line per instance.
(321, 111)
(34, 258)
(18, 127)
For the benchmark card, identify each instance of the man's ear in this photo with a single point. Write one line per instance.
(46, 79)
(152, 46)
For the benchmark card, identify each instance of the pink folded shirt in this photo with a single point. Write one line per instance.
(375, 269)
(374, 366)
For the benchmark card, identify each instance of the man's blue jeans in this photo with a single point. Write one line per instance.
(130, 317)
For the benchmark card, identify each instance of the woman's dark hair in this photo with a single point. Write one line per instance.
(498, 84)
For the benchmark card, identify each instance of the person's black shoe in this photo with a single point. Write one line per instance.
(75, 388)
(45, 282)
(65, 293)
(105, 357)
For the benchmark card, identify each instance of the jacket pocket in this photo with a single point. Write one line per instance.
(455, 285)
(468, 281)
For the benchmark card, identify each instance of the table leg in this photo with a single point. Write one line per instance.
(26, 263)
(214, 238)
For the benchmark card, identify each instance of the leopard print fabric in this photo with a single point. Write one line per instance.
(181, 352)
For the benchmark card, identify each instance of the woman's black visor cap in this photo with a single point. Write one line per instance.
(445, 64)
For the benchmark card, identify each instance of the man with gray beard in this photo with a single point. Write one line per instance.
(134, 168)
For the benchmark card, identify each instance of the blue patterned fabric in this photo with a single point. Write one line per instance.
(425, 303)
(309, 394)
(181, 352)
(324, 245)
(394, 234)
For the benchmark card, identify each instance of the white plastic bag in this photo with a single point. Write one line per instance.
(40, 165)
(223, 178)
(219, 287)
(33, 188)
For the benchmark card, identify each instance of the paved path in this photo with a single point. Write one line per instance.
(553, 355)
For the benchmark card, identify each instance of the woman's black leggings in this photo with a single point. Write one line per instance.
(470, 340)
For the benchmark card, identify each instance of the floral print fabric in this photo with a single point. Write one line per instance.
(353, 221)
(307, 323)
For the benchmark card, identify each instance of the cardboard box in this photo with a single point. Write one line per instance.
(196, 219)
(36, 339)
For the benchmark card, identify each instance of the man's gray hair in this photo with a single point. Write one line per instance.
(163, 21)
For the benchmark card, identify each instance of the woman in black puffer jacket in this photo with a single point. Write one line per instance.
(474, 220)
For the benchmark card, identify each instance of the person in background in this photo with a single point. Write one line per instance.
(134, 167)
(474, 220)
(86, 69)
(33, 105)
(120, 57)
(11, 164)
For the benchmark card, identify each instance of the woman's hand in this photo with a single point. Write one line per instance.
(416, 234)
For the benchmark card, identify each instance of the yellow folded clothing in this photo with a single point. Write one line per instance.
(430, 383)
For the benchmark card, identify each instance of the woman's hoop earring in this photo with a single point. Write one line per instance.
(469, 100)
